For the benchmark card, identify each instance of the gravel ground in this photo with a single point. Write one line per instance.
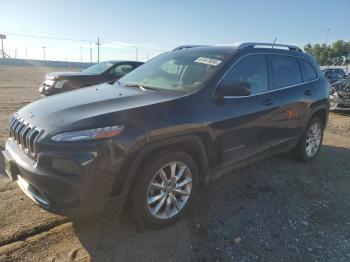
(275, 210)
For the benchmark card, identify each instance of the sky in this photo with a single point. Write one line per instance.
(142, 29)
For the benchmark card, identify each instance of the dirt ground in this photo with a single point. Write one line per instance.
(275, 210)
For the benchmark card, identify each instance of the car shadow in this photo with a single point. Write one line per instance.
(251, 213)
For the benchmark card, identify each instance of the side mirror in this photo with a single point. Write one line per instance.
(235, 89)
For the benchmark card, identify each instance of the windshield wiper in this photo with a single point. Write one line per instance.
(142, 87)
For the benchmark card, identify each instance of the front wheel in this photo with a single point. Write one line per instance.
(163, 189)
(311, 141)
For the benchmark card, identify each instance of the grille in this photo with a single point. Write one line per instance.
(344, 94)
(24, 134)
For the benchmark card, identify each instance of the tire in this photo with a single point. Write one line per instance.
(302, 151)
(142, 194)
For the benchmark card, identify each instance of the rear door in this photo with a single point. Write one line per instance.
(292, 98)
(240, 125)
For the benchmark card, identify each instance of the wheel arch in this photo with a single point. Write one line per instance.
(321, 113)
(190, 144)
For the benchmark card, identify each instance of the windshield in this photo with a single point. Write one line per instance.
(98, 68)
(184, 70)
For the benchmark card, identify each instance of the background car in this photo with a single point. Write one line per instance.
(339, 95)
(334, 74)
(109, 71)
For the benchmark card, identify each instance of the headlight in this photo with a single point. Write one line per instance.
(90, 134)
(49, 82)
(332, 91)
(60, 83)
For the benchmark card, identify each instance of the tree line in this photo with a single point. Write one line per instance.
(337, 53)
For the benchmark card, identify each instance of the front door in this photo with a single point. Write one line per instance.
(240, 123)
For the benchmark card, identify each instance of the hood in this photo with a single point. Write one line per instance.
(66, 75)
(71, 109)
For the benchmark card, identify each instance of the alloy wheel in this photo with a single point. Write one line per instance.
(313, 139)
(169, 190)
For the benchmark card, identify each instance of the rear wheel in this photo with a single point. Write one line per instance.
(311, 141)
(164, 188)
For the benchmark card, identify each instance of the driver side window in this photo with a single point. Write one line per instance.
(121, 70)
(251, 69)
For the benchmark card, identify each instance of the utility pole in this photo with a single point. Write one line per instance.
(327, 36)
(26, 53)
(16, 53)
(147, 56)
(44, 47)
(136, 53)
(98, 49)
(81, 54)
(90, 53)
(2, 37)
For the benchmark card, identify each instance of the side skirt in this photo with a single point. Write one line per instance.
(221, 170)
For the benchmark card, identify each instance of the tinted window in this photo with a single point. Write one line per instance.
(98, 68)
(121, 70)
(309, 71)
(251, 69)
(285, 71)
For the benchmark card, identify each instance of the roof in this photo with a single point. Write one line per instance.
(272, 47)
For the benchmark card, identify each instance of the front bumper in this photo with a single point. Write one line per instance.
(339, 103)
(84, 194)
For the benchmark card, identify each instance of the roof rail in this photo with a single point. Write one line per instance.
(272, 45)
(186, 47)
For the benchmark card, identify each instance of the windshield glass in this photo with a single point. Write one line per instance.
(184, 70)
(98, 68)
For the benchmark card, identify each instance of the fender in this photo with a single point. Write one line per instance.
(319, 106)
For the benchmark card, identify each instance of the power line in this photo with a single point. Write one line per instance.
(2, 37)
(110, 42)
(90, 53)
(44, 47)
(48, 37)
(98, 49)
(327, 36)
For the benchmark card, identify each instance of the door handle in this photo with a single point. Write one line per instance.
(269, 102)
(309, 92)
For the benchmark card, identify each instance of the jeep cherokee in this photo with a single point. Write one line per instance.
(180, 120)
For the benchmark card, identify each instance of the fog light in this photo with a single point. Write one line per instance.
(65, 166)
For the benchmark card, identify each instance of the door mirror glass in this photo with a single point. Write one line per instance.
(236, 89)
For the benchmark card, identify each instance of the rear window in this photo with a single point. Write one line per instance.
(309, 72)
(285, 71)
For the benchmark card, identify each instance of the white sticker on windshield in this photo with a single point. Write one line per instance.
(208, 61)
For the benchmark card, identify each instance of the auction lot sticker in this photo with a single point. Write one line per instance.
(208, 61)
